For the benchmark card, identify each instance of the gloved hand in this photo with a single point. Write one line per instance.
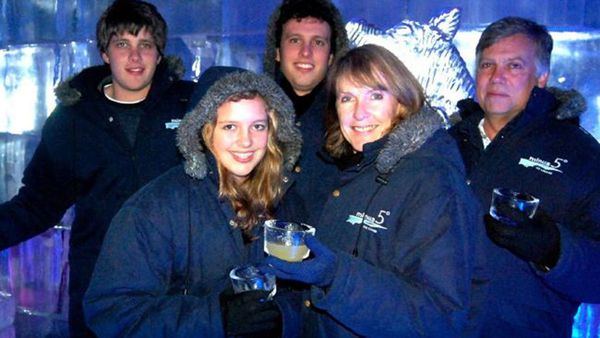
(318, 270)
(249, 314)
(534, 240)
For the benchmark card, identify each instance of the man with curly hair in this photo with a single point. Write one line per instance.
(303, 39)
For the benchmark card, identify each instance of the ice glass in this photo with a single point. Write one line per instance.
(505, 202)
(285, 240)
(249, 277)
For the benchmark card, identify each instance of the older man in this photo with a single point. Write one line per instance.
(522, 136)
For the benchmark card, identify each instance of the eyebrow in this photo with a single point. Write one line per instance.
(124, 38)
(237, 121)
(377, 88)
(518, 58)
(297, 34)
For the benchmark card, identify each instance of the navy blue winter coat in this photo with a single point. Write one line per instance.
(84, 158)
(316, 173)
(559, 163)
(166, 259)
(169, 250)
(405, 227)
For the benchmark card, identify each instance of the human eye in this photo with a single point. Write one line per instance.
(320, 43)
(485, 65)
(147, 45)
(343, 98)
(294, 40)
(260, 126)
(515, 65)
(121, 43)
(377, 95)
(228, 126)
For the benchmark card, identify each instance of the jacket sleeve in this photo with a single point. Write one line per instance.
(132, 291)
(577, 271)
(48, 186)
(426, 290)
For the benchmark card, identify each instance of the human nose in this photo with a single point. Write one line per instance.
(497, 74)
(134, 54)
(245, 138)
(361, 110)
(306, 49)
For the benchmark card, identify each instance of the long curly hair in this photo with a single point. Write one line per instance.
(253, 200)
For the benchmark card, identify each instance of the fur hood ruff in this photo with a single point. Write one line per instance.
(571, 103)
(189, 138)
(408, 136)
(69, 92)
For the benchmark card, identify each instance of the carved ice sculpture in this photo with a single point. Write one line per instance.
(428, 52)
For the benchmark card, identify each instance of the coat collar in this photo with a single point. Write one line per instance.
(87, 82)
(408, 136)
(550, 102)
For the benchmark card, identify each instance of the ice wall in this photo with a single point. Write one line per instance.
(42, 42)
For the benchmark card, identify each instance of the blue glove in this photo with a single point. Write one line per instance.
(318, 270)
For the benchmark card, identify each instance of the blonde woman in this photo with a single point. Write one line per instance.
(169, 250)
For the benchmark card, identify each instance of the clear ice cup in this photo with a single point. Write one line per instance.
(285, 240)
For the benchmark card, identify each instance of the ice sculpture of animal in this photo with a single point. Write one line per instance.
(428, 52)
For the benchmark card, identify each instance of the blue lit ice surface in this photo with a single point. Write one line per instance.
(587, 321)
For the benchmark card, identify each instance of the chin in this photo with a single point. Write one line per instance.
(358, 147)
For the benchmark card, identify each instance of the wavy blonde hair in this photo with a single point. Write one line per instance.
(253, 200)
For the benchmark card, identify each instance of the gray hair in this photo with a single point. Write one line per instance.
(512, 25)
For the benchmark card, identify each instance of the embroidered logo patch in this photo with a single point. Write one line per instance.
(369, 223)
(174, 124)
(543, 166)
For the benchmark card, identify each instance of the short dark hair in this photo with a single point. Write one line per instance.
(300, 9)
(512, 25)
(131, 16)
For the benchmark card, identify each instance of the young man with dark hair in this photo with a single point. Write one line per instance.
(520, 135)
(112, 131)
(303, 39)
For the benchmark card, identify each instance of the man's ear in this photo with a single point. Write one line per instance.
(277, 57)
(542, 80)
(105, 57)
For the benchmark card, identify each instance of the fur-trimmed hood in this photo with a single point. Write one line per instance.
(90, 80)
(341, 42)
(408, 136)
(189, 138)
(571, 104)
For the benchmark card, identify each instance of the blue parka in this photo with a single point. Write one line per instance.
(85, 159)
(558, 162)
(315, 173)
(406, 229)
(169, 250)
